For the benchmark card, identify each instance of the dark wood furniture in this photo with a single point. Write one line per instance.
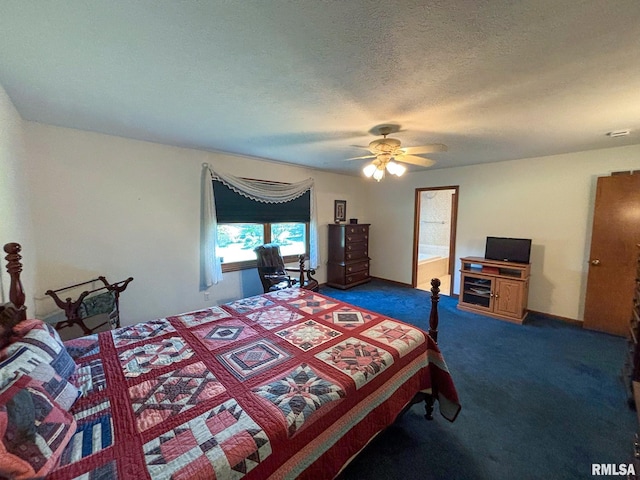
(14, 311)
(273, 272)
(495, 288)
(348, 263)
(631, 370)
(79, 321)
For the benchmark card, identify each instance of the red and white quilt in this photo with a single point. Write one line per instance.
(289, 384)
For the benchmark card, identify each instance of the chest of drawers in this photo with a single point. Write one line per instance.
(348, 263)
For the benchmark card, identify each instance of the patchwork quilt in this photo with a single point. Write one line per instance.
(289, 384)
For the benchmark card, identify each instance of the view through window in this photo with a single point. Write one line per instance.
(236, 241)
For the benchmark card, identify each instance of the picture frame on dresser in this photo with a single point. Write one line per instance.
(340, 210)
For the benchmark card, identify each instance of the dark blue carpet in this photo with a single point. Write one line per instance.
(540, 400)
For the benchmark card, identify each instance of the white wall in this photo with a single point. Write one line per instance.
(118, 207)
(105, 205)
(15, 223)
(549, 200)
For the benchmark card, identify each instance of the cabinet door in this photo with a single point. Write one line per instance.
(508, 297)
(477, 292)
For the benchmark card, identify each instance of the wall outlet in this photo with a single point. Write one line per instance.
(206, 296)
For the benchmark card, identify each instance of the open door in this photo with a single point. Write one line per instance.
(436, 211)
(613, 256)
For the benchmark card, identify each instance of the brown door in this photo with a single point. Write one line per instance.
(613, 257)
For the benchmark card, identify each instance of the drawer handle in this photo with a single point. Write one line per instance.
(350, 269)
(366, 236)
(349, 279)
(365, 252)
(348, 256)
(349, 238)
(349, 247)
(353, 230)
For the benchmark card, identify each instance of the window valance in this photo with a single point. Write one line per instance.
(263, 191)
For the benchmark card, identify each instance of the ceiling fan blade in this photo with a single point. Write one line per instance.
(413, 160)
(358, 158)
(431, 148)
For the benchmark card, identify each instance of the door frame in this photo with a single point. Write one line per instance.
(452, 234)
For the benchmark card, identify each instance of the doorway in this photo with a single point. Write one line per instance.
(434, 237)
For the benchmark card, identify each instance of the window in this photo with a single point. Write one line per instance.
(236, 242)
(244, 224)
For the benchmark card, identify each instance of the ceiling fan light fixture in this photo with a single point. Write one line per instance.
(378, 174)
(392, 167)
(387, 153)
(369, 169)
(399, 170)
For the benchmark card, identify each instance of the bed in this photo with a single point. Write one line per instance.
(289, 384)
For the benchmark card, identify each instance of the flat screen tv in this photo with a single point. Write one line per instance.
(515, 250)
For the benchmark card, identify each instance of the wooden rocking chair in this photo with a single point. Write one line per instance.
(273, 273)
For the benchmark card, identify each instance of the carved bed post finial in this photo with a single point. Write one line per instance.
(14, 267)
(301, 263)
(433, 317)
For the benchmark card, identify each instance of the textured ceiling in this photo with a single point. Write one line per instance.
(304, 81)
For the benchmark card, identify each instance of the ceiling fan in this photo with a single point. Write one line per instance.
(385, 150)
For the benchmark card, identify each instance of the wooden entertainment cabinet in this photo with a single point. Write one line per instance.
(495, 288)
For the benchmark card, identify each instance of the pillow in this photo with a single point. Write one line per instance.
(43, 340)
(26, 362)
(34, 429)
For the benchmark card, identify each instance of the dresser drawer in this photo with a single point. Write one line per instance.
(356, 248)
(357, 255)
(357, 277)
(356, 267)
(342, 276)
(356, 238)
(357, 229)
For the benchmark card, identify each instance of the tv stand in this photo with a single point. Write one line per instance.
(495, 288)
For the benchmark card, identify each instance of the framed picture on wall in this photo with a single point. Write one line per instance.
(340, 209)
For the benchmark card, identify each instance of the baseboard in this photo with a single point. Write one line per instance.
(401, 284)
(572, 321)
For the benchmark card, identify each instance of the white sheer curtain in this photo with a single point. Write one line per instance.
(260, 192)
(210, 266)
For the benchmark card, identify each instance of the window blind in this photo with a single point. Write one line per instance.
(231, 207)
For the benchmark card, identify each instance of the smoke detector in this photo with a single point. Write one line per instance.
(619, 133)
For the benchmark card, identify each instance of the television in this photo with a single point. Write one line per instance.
(515, 250)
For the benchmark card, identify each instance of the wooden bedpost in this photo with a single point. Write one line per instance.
(433, 317)
(16, 291)
(429, 400)
(301, 264)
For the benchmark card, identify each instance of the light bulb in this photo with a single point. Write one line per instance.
(378, 174)
(392, 167)
(369, 169)
(399, 169)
